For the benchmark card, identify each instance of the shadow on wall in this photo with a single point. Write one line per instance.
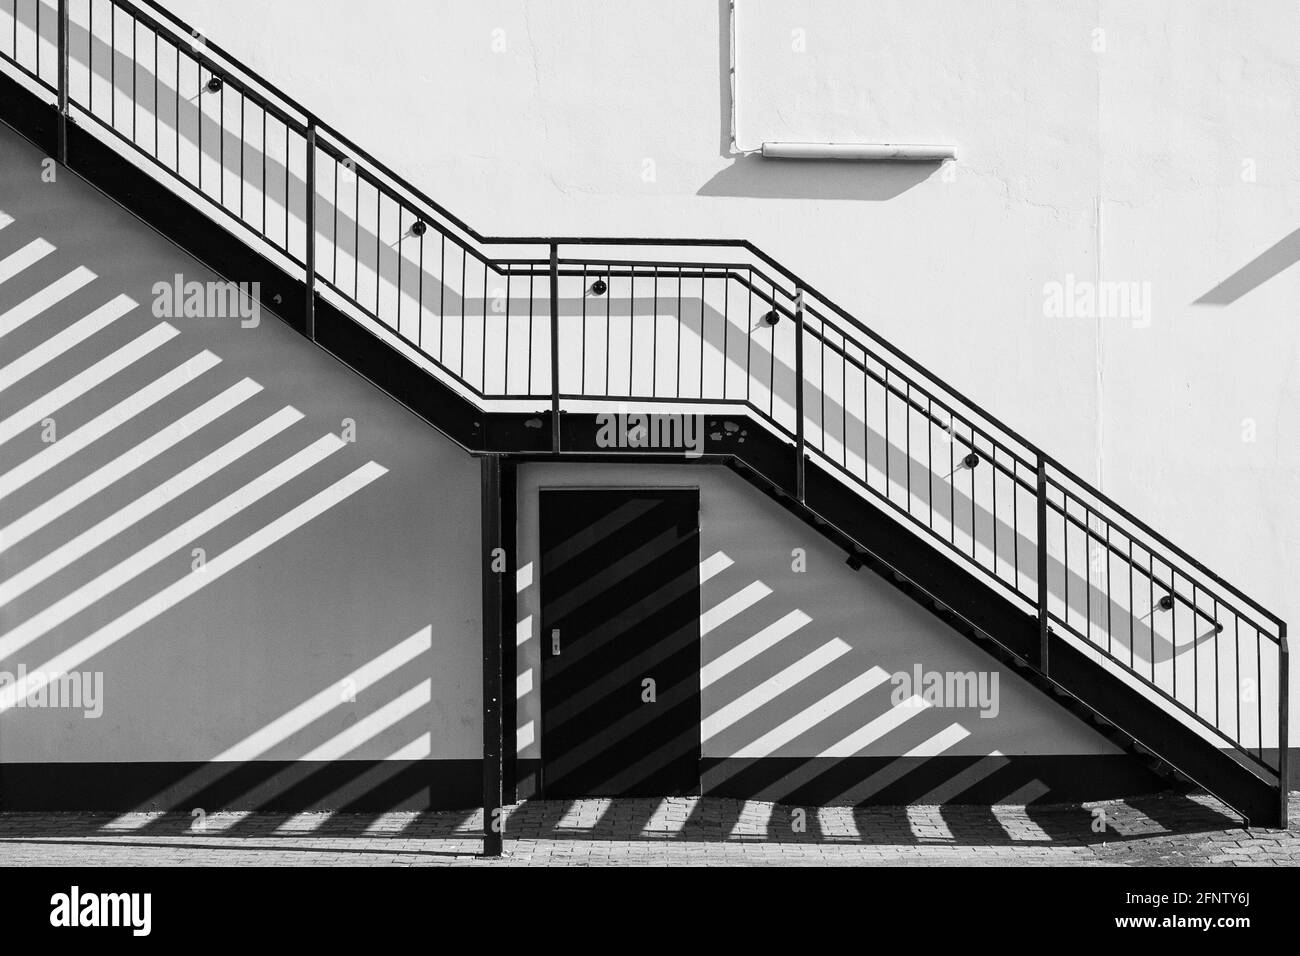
(754, 177)
(175, 435)
(342, 230)
(1273, 261)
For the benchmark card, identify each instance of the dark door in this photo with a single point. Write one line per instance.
(620, 582)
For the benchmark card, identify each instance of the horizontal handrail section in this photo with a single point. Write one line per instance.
(677, 323)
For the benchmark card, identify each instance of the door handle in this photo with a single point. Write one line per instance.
(555, 642)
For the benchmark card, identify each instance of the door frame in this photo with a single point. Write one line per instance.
(540, 689)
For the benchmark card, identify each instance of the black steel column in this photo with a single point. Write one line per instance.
(1283, 722)
(509, 616)
(494, 579)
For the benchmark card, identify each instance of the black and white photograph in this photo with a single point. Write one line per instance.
(540, 434)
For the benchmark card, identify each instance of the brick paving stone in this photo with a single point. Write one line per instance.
(1165, 829)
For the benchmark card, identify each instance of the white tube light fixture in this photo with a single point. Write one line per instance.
(870, 152)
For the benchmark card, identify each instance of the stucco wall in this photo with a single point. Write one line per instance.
(249, 658)
(1099, 140)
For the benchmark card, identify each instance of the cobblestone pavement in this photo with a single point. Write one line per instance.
(1168, 829)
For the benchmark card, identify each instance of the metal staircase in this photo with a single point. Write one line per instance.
(519, 346)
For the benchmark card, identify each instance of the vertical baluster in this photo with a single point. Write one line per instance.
(799, 463)
(889, 490)
(505, 372)
(726, 322)
(749, 336)
(157, 124)
(907, 443)
(63, 76)
(631, 327)
(582, 365)
(442, 295)
(701, 392)
(419, 296)
(484, 333)
(609, 325)
(531, 272)
(1043, 632)
(654, 334)
(310, 216)
(555, 349)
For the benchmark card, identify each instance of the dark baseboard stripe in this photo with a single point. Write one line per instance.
(271, 785)
(900, 781)
(365, 786)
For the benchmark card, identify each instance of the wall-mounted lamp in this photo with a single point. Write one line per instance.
(1166, 602)
(214, 84)
(772, 317)
(598, 288)
(968, 461)
(419, 227)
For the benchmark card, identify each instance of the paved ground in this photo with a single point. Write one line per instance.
(1168, 829)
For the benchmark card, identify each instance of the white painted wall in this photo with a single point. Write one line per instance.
(1104, 140)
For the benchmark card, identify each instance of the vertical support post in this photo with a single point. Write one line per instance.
(510, 614)
(799, 464)
(63, 82)
(310, 257)
(1043, 631)
(493, 579)
(1283, 721)
(555, 349)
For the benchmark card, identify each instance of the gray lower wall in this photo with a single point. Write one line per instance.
(748, 550)
(253, 663)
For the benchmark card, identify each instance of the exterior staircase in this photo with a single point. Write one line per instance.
(523, 346)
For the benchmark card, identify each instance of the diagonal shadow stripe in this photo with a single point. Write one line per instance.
(78, 600)
(173, 594)
(121, 466)
(574, 597)
(598, 624)
(1273, 261)
(602, 527)
(938, 744)
(598, 683)
(104, 423)
(619, 733)
(615, 625)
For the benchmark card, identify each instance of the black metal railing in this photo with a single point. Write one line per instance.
(691, 322)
